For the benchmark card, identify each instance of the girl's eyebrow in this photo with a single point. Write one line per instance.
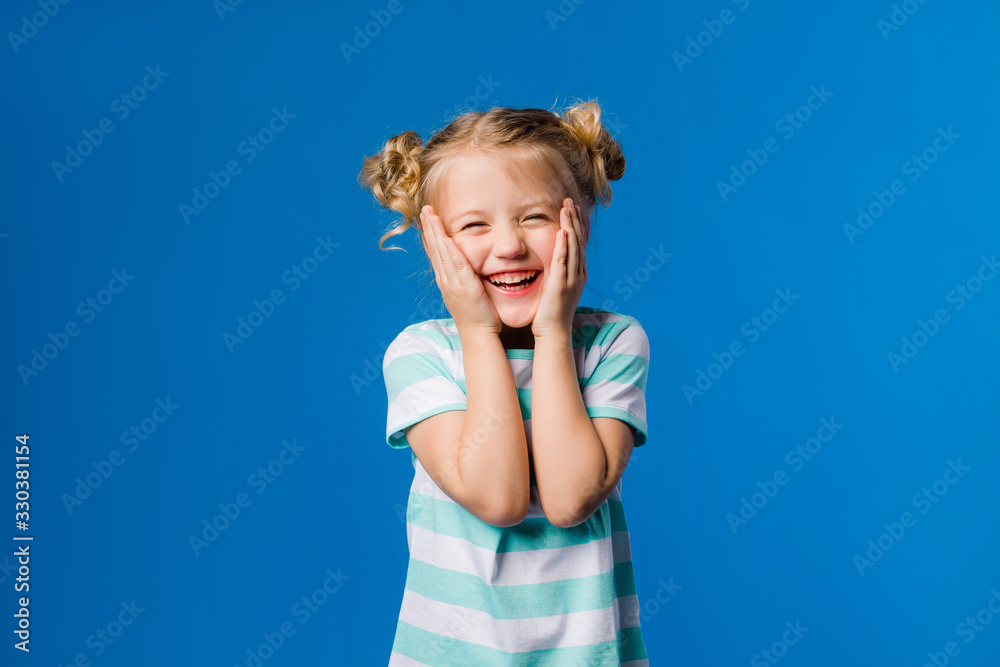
(462, 215)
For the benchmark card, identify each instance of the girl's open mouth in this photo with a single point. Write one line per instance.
(514, 283)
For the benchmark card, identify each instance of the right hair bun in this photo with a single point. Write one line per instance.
(583, 121)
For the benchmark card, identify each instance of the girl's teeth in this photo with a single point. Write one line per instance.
(523, 284)
(514, 277)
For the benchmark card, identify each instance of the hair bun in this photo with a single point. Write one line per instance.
(583, 121)
(393, 176)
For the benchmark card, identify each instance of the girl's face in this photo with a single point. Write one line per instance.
(501, 226)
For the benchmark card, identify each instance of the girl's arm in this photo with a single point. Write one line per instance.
(578, 460)
(479, 456)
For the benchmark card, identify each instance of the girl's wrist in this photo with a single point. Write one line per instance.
(471, 335)
(553, 337)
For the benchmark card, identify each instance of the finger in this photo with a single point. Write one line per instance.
(582, 248)
(578, 224)
(442, 240)
(459, 264)
(440, 250)
(427, 235)
(571, 245)
(558, 265)
(431, 242)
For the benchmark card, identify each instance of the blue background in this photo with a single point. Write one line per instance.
(301, 375)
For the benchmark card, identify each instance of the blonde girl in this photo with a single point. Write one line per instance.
(521, 410)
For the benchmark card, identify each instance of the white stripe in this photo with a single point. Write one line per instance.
(586, 365)
(521, 371)
(627, 611)
(516, 635)
(510, 568)
(631, 340)
(439, 326)
(596, 319)
(621, 395)
(406, 343)
(400, 660)
(409, 342)
(420, 397)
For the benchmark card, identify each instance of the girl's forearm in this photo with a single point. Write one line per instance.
(493, 454)
(569, 458)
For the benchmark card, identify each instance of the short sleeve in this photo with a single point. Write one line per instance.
(419, 381)
(617, 386)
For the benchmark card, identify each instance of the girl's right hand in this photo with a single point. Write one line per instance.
(461, 289)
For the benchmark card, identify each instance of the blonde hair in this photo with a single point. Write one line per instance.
(574, 147)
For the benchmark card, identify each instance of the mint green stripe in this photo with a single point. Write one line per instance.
(625, 368)
(452, 519)
(564, 596)
(452, 341)
(611, 330)
(433, 334)
(411, 368)
(633, 648)
(617, 509)
(434, 649)
(624, 576)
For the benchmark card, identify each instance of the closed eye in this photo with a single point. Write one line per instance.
(541, 216)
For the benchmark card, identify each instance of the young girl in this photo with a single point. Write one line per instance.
(522, 409)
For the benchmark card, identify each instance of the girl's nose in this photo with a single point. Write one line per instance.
(508, 241)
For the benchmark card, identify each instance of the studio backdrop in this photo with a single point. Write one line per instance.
(195, 312)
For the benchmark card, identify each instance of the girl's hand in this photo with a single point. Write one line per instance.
(566, 277)
(461, 289)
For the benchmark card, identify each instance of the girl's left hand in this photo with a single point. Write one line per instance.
(566, 277)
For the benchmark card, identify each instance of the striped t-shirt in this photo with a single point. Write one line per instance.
(534, 593)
